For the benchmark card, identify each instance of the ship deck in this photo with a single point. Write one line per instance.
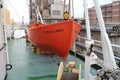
(28, 65)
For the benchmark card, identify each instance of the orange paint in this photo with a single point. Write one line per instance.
(56, 37)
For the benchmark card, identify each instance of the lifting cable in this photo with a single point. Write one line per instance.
(66, 11)
(64, 6)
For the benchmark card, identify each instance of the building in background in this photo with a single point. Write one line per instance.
(49, 9)
(111, 13)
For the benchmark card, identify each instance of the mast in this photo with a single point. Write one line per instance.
(108, 65)
(88, 44)
(87, 20)
(109, 59)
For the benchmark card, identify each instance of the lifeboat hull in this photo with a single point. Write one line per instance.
(56, 37)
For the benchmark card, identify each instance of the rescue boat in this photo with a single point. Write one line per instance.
(56, 38)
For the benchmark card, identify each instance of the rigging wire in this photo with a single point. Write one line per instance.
(14, 10)
(66, 11)
(64, 6)
(69, 6)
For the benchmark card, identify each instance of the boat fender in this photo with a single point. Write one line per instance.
(8, 66)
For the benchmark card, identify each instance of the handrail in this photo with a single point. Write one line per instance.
(2, 47)
(97, 51)
(84, 38)
(114, 45)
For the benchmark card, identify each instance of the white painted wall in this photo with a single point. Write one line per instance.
(2, 53)
(58, 8)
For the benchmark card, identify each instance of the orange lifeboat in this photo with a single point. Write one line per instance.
(56, 37)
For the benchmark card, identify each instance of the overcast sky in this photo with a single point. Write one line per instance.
(19, 8)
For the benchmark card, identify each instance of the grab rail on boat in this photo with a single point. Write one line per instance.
(2, 47)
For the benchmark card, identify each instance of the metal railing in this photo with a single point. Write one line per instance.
(99, 45)
(96, 41)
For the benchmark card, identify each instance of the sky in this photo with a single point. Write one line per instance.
(19, 8)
